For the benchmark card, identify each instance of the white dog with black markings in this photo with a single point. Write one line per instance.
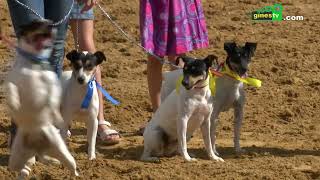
(230, 91)
(181, 113)
(33, 96)
(75, 87)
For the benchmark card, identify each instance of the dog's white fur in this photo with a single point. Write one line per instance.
(33, 97)
(73, 95)
(179, 115)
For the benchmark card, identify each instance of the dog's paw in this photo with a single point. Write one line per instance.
(24, 173)
(92, 157)
(240, 151)
(150, 159)
(69, 134)
(76, 173)
(190, 159)
(217, 158)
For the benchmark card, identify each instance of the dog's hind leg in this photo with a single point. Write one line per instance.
(21, 158)
(92, 128)
(171, 149)
(59, 150)
(153, 144)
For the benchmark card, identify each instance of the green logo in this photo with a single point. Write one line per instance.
(268, 13)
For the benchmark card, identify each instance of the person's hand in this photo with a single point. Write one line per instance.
(88, 4)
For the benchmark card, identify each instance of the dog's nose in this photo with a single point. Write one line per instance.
(185, 83)
(81, 80)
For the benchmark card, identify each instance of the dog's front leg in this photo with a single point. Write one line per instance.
(13, 97)
(213, 125)
(92, 128)
(185, 113)
(205, 130)
(238, 117)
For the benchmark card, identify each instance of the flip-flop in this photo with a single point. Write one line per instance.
(107, 135)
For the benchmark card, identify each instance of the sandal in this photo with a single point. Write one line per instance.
(141, 130)
(107, 135)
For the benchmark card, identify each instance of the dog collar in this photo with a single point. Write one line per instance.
(90, 88)
(247, 80)
(210, 81)
(31, 57)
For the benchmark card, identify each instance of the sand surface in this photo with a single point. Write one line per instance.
(281, 129)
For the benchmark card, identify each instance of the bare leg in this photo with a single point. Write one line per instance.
(86, 43)
(154, 76)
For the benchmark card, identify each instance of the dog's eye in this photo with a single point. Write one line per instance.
(77, 65)
(89, 67)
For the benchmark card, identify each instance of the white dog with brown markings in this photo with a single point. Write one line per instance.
(33, 97)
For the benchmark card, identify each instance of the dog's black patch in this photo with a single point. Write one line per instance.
(37, 28)
(239, 57)
(196, 67)
(87, 61)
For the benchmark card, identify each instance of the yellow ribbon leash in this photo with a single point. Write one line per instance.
(250, 81)
(178, 84)
(225, 70)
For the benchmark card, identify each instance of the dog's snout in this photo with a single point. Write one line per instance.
(185, 83)
(81, 79)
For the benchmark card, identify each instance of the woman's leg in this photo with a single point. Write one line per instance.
(56, 10)
(86, 43)
(154, 77)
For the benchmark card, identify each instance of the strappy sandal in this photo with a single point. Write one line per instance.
(108, 136)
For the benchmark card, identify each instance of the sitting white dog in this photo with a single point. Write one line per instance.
(76, 84)
(33, 97)
(181, 114)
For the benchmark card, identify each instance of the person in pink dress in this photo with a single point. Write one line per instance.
(169, 28)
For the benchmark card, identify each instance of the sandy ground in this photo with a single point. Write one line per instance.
(281, 130)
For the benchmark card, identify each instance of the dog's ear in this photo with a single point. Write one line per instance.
(34, 26)
(73, 55)
(229, 47)
(211, 60)
(100, 57)
(185, 59)
(250, 47)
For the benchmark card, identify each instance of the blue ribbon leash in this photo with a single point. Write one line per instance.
(90, 87)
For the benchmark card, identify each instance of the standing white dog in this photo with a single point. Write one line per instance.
(230, 91)
(33, 96)
(181, 114)
(76, 84)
